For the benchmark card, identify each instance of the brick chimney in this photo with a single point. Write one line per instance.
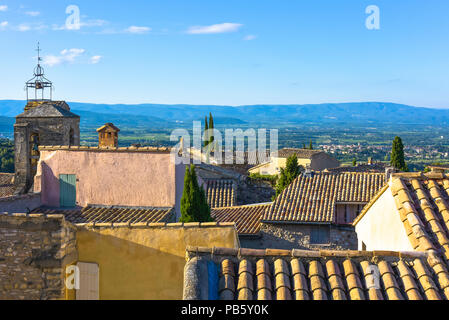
(108, 136)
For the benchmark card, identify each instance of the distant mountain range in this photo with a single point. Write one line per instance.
(369, 113)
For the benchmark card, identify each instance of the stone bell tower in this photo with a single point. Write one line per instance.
(43, 122)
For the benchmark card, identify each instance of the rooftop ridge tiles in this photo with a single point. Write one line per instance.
(296, 253)
(153, 224)
(244, 206)
(104, 149)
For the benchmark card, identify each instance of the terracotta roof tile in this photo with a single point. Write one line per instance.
(422, 203)
(313, 199)
(7, 187)
(353, 280)
(300, 286)
(335, 280)
(247, 218)
(282, 280)
(220, 192)
(327, 275)
(245, 286)
(370, 272)
(100, 214)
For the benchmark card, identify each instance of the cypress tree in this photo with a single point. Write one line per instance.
(311, 145)
(206, 140)
(354, 162)
(288, 174)
(194, 206)
(303, 145)
(211, 126)
(397, 155)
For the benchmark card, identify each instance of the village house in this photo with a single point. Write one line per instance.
(314, 212)
(410, 213)
(314, 159)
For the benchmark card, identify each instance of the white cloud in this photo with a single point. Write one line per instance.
(3, 24)
(23, 28)
(3, 7)
(215, 28)
(66, 55)
(249, 37)
(32, 13)
(139, 30)
(95, 59)
(83, 24)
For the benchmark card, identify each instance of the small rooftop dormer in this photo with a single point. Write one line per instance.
(108, 136)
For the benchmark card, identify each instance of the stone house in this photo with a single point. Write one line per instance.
(99, 253)
(314, 159)
(315, 212)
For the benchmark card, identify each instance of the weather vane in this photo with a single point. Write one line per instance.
(39, 83)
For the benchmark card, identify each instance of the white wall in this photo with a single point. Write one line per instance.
(381, 227)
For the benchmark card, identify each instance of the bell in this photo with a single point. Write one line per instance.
(38, 85)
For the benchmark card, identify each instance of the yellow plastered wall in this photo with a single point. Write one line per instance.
(147, 262)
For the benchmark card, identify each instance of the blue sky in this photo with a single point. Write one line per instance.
(230, 52)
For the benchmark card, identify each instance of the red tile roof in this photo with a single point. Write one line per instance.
(313, 199)
(270, 274)
(247, 218)
(101, 214)
(220, 192)
(7, 187)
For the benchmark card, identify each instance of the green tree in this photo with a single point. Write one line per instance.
(311, 145)
(6, 156)
(206, 127)
(354, 162)
(397, 155)
(211, 126)
(303, 145)
(288, 174)
(194, 206)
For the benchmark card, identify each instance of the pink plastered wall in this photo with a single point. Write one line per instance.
(109, 177)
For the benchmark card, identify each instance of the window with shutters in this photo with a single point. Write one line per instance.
(89, 282)
(320, 235)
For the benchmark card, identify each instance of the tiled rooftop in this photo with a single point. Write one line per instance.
(101, 214)
(313, 199)
(6, 184)
(220, 192)
(105, 149)
(247, 218)
(49, 109)
(246, 274)
(422, 202)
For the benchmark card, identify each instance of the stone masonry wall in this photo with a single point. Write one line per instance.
(297, 236)
(34, 250)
